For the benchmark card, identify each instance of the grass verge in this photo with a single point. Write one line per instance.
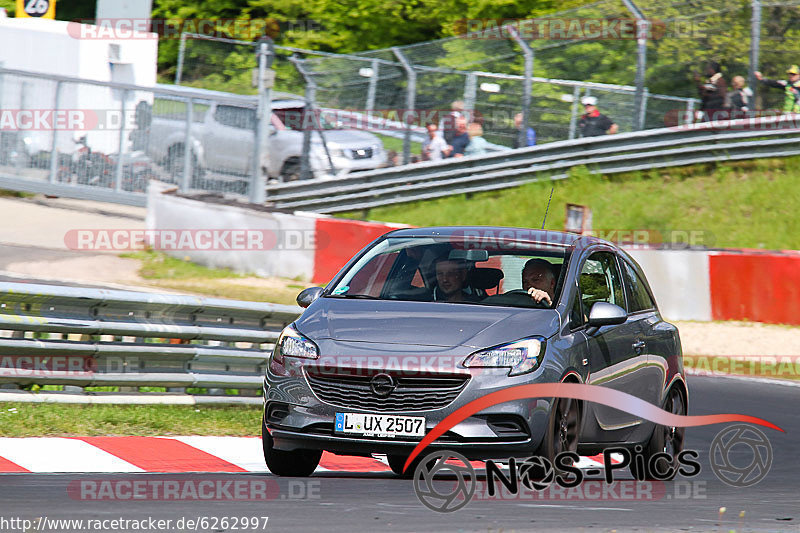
(749, 204)
(19, 419)
(161, 270)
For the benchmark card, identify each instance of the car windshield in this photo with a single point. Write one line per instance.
(457, 270)
(299, 118)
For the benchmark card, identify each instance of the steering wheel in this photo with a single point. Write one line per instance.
(522, 292)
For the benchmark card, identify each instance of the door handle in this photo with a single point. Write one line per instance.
(638, 346)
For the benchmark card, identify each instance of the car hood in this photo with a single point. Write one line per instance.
(351, 138)
(423, 323)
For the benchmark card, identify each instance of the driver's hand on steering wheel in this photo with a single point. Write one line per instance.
(539, 296)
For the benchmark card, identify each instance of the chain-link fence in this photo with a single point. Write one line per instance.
(638, 59)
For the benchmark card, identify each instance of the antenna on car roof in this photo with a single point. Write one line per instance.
(548, 207)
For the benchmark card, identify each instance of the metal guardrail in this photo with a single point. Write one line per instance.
(79, 337)
(666, 147)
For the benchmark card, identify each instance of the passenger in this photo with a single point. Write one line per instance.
(539, 280)
(451, 277)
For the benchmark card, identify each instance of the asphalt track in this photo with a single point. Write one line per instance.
(331, 501)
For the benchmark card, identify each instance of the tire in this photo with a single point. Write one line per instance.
(291, 170)
(174, 165)
(563, 427)
(665, 439)
(296, 463)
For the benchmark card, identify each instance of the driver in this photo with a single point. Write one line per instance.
(539, 280)
(451, 276)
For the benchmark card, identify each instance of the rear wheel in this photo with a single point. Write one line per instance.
(665, 439)
(296, 463)
(291, 170)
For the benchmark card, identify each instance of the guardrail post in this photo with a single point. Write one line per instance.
(527, 85)
(755, 46)
(470, 91)
(120, 163)
(186, 176)
(54, 146)
(411, 92)
(573, 118)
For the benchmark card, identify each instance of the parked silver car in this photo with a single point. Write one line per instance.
(423, 321)
(223, 138)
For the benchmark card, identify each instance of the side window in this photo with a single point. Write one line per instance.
(236, 117)
(600, 281)
(640, 299)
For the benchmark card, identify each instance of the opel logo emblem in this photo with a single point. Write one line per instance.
(382, 385)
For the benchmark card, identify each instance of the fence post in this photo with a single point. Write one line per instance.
(527, 85)
(186, 177)
(310, 95)
(258, 182)
(120, 162)
(755, 47)
(573, 119)
(372, 88)
(642, 28)
(181, 56)
(54, 146)
(643, 109)
(411, 92)
(470, 91)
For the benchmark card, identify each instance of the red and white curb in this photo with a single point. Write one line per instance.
(165, 454)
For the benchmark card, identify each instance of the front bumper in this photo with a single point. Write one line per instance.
(297, 418)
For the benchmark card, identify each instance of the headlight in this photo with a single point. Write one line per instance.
(293, 344)
(520, 357)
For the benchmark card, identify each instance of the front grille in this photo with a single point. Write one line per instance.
(412, 393)
(361, 153)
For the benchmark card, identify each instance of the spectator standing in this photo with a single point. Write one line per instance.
(791, 87)
(449, 121)
(460, 141)
(593, 123)
(713, 91)
(530, 134)
(477, 144)
(434, 147)
(740, 95)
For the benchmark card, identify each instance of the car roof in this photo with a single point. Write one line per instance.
(495, 233)
(280, 100)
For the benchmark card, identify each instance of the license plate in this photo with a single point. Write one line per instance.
(370, 425)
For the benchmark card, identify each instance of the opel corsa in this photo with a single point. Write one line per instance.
(423, 321)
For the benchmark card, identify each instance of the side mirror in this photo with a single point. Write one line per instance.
(606, 314)
(308, 295)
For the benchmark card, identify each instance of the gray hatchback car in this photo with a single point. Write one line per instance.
(423, 321)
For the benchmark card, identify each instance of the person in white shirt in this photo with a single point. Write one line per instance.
(434, 147)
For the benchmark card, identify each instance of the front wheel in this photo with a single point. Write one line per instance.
(562, 429)
(667, 440)
(296, 463)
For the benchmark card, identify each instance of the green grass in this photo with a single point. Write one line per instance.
(5, 193)
(752, 204)
(47, 419)
(392, 143)
(157, 265)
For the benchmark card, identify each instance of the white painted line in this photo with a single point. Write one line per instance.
(56, 454)
(244, 452)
